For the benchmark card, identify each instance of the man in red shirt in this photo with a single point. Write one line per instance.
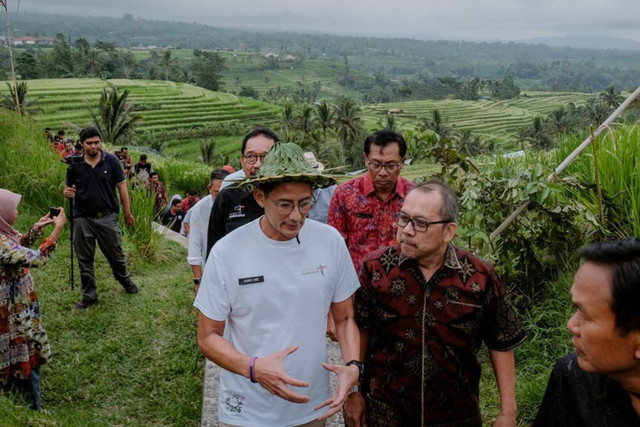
(189, 201)
(363, 209)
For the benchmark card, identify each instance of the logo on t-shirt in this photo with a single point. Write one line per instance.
(234, 403)
(237, 212)
(315, 270)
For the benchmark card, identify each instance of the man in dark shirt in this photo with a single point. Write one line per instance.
(143, 169)
(424, 309)
(599, 384)
(173, 217)
(95, 214)
(234, 206)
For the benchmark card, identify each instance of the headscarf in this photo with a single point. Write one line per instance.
(8, 206)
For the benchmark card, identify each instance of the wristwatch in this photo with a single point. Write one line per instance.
(196, 281)
(360, 366)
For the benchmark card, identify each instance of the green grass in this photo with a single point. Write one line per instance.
(129, 360)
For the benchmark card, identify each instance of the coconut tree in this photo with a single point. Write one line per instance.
(288, 124)
(114, 117)
(23, 105)
(167, 63)
(207, 151)
(348, 127)
(3, 3)
(611, 97)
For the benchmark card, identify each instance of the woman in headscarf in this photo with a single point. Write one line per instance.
(24, 345)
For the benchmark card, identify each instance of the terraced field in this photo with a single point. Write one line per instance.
(496, 121)
(166, 106)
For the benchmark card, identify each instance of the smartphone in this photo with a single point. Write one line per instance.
(54, 212)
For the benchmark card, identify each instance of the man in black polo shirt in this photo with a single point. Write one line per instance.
(92, 182)
(235, 207)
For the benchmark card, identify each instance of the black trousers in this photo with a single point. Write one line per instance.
(106, 232)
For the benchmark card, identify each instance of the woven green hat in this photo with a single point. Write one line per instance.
(285, 162)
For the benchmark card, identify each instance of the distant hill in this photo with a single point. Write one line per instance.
(587, 42)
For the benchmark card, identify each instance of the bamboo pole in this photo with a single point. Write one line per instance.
(570, 158)
(3, 3)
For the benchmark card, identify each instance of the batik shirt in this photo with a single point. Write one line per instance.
(23, 341)
(431, 330)
(365, 221)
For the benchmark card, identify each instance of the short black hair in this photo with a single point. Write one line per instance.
(89, 132)
(61, 132)
(143, 157)
(191, 192)
(218, 174)
(259, 131)
(175, 202)
(153, 174)
(124, 148)
(384, 137)
(623, 259)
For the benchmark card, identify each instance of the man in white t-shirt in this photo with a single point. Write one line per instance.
(199, 223)
(271, 284)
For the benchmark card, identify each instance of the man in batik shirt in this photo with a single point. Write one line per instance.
(424, 309)
(363, 209)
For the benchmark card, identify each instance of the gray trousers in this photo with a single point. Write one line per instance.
(105, 230)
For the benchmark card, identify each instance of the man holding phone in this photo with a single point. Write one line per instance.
(92, 182)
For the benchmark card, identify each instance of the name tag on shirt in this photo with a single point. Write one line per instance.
(250, 280)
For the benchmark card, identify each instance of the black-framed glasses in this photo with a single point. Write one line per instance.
(285, 207)
(252, 158)
(390, 167)
(419, 225)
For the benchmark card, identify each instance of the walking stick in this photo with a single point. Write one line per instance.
(71, 234)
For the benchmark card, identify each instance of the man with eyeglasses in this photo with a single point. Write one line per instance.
(234, 207)
(265, 294)
(363, 209)
(424, 309)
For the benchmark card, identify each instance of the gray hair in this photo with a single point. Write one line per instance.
(449, 208)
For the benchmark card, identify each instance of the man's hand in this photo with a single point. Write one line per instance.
(355, 410)
(505, 420)
(129, 219)
(70, 192)
(347, 377)
(269, 372)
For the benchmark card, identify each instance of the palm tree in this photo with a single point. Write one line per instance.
(23, 106)
(288, 125)
(114, 117)
(348, 127)
(324, 115)
(3, 3)
(438, 124)
(167, 63)
(611, 97)
(470, 144)
(207, 151)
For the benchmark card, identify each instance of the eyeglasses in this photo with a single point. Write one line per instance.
(252, 158)
(285, 208)
(390, 167)
(418, 225)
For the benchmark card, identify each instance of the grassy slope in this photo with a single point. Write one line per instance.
(131, 359)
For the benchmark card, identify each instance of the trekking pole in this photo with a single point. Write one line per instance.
(71, 234)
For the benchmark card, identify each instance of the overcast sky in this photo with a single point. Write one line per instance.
(428, 19)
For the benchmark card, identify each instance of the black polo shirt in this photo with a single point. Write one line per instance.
(232, 208)
(96, 187)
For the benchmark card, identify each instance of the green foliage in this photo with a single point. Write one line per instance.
(180, 176)
(26, 106)
(142, 235)
(207, 68)
(27, 165)
(114, 116)
(619, 167)
(207, 151)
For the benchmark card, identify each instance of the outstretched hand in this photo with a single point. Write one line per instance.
(269, 372)
(347, 377)
(44, 221)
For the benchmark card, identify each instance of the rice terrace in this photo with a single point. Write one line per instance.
(492, 119)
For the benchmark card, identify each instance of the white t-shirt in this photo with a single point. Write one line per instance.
(199, 224)
(272, 295)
